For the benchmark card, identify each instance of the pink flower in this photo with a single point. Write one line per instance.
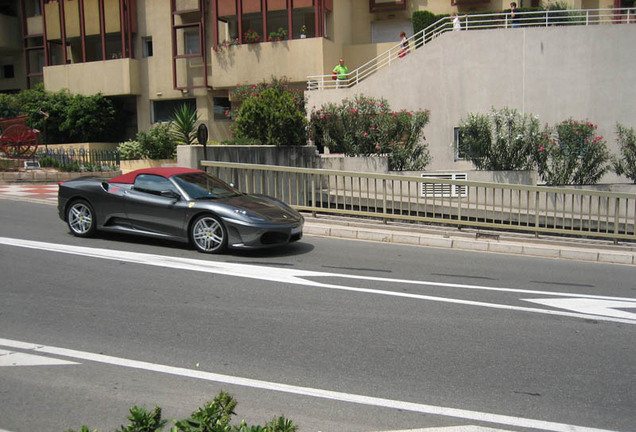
(377, 146)
(365, 134)
(541, 148)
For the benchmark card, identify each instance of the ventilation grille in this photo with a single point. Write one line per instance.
(445, 190)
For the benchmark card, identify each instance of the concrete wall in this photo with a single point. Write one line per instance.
(586, 73)
(294, 156)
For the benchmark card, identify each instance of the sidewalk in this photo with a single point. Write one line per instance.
(468, 239)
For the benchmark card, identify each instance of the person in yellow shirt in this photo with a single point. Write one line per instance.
(341, 73)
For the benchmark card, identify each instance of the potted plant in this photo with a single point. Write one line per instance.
(278, 35)
(303, 32)
(251, 36)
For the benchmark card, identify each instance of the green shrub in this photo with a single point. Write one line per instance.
(49, 162)
(501, 140)
(143, 420)
(421, 19)
(281, 85)
(90, 118)
(157, 142)
(626, 163)
(70, 118)
(214, 416)
(131, 150)
(367, 126)
(572, 153)
(271, 117)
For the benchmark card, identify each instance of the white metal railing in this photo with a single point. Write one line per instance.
(544, 18)
(536, 209)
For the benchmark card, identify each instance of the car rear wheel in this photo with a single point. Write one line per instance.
(208, 234)
(80, 217)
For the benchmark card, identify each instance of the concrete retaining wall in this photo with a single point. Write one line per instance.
(294, 156)
(586, 73)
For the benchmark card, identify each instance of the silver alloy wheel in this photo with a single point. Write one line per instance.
(209, 235)
(81, 219)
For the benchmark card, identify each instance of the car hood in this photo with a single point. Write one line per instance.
(265, 207)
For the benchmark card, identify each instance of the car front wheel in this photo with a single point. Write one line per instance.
(208, 234)
(80, 217)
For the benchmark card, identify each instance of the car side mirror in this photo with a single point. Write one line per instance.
(170, 194)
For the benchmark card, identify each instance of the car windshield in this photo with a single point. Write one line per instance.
(203, 186)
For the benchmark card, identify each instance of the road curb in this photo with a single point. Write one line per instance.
(443, 240)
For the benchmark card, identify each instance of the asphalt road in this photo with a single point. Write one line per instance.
(337, 335)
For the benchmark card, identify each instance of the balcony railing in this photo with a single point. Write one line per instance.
(544, 18)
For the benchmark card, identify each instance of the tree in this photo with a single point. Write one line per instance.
(71, 118)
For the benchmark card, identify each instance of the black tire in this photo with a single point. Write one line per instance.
(80, 218)
(208, 234)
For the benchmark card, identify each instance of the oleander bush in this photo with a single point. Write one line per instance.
(625, 164)
(572, 154)
(367, 126)
(500, 140)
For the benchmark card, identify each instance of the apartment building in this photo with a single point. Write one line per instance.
(152, 55)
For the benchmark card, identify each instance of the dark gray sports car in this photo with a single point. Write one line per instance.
(181, 204)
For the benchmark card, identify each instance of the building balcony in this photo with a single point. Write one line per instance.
(254, 63)
(117, 77)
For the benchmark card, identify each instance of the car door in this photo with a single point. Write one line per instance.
(151, 211)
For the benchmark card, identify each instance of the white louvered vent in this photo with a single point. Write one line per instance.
(444, 190)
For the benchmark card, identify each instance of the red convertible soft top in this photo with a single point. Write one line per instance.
(129, 178)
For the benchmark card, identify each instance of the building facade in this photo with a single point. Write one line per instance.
(153, 55)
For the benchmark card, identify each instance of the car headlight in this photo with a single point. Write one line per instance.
(249, 215)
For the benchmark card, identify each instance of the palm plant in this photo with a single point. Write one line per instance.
(183, 121)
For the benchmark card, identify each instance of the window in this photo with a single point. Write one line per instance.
(191, 40)
(7, 71)
(163, 110)
(146, 43)
(221, 106)
(457, 144)
(386, 5)
(153, 184)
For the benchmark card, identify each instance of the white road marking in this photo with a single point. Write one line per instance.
(11, 358)
(296, 276)
(301, 391)
(468, 428)
(591, 306)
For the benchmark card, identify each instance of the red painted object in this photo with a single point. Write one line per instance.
(18, 141)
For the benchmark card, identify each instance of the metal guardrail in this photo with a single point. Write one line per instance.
(537, 209)
(543, 18)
